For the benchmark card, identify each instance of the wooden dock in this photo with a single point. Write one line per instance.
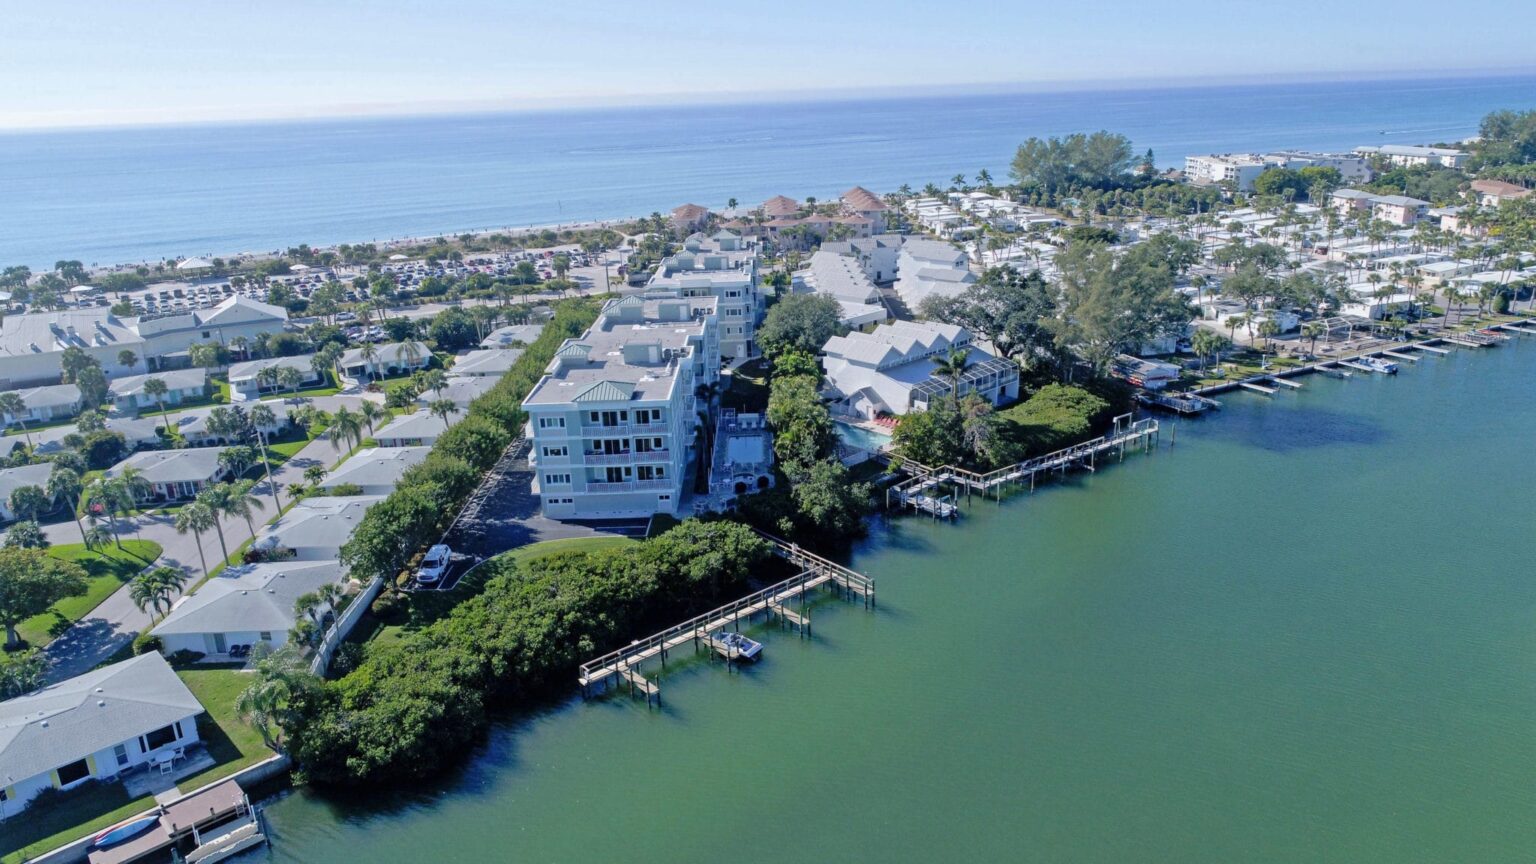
(623, 666)
(1127, 434)
(1257, 388)
(1180, 403)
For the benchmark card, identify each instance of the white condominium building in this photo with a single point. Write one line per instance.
(614, 420)
(1399, 154)
(724, 266)
(1241, 169)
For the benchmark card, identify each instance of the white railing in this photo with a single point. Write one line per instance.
(343, 625)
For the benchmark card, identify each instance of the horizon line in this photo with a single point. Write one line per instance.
(622, 101)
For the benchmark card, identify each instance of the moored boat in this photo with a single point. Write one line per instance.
(736, 646)
(1386, 367)
(125, 830)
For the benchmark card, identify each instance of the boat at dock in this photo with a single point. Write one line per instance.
(735, 646)
(1385, 367)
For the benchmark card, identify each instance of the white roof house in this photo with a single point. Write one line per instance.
(175, 474)
(137, 432)
(459, 390)
(45, 404)
(928, 268)
(890, 370)
(243, 605)
(244, 380)
(377, 469)
(181, 385)
(12, 479)
(506, 337)
(92, 726)
(489, 362)
(841, 277)
(389, 359)
(315, 529)
(422, 427)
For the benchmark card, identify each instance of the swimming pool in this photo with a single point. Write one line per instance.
(860, 438)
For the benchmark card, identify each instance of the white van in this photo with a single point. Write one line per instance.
(434, 565)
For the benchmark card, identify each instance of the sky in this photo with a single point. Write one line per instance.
(128, 62)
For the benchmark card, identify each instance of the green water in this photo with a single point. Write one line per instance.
(1305, 633)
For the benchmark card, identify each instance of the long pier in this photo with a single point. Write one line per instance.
(623, 665)
(925, 479)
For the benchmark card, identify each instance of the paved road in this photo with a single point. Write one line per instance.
(117, 620)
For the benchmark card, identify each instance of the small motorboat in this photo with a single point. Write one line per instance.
(125, 830)
(1385, 367)
(736, 646)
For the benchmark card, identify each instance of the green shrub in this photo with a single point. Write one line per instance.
(147, 642)
(1055, 417)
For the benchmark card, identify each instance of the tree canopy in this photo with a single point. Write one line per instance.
(1098, 160)
(800, 322)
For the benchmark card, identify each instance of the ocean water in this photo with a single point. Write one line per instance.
(110, 196)
(1302, 633)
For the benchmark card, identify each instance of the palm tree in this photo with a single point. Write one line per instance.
(13, 405)
(290, 379)
(434, 380)
(64, 486)
(157, 588)
(267, 378)
(346, 426)
(127, 358)
(444, 408)
(262, 417)
(1233, 322)
(280, 676)
(314, 474)
(196, 518)
(214, 498)
(370, 354)
(1313, 330)
(952, 366)
(411, 351)
(244, 504)
(372, 412)
(155, 389)
(95, 536)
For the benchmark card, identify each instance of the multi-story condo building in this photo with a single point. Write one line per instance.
(1241, 169)
(724, 266)
(615, 419)
(1407, 156)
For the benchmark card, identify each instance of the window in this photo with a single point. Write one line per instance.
(160, 737)
(555, 451)
(207, 334)
(121, 753)
(653, 472)
(266, 635)
(557, 479)
(733, 313)
(74, 772)
(551, 422)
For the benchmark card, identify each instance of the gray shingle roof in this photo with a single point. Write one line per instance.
(254, 597)
(68, 720)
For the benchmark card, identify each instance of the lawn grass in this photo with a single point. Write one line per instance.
(109, 569)
(232, 742)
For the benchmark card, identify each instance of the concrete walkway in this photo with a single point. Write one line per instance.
(116, 621)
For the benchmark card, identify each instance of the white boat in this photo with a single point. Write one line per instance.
(736, 646)
(1385, 367)
(232, 839)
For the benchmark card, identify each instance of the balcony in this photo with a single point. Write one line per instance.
(663, 485)
(597, 430)
(629, 457)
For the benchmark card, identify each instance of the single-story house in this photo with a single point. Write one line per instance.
(12, 479)
(395, 358)
(488, 362)
(137, 432)
(315, 529)
(248, 380)
(93, 726)
(243, 606)
(459, 391)
(181, 385)
(376, 469)
(47, 404)
(411, 430)
(192, 425)
(175, 475)
(515, 334)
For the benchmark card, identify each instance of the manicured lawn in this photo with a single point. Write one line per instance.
(231, 741)
(109, 569)
(573, 544)
(49, 827)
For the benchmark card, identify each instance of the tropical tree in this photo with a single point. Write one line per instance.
(372, 413)
(262, 418)
(282, 677)
(30, 582)
(21, 672)
(64, 487)
(127, 358)
(157, 589)
(28, 502)
(1208, 343)
(15, 407)
(346, 425)
(215, 498)
(156, 389)
(26, 534)
(952, 366)
(96, 535)
(290, 379)
(444, 408)
(244, 504)
(196, 518)
(314, 474)
(1312, 331)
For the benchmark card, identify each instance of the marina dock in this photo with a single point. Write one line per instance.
(1258, 388)
(1179, 403)
(623, 665)
(924, 480)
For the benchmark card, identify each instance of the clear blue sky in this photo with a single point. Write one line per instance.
(137, 61)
